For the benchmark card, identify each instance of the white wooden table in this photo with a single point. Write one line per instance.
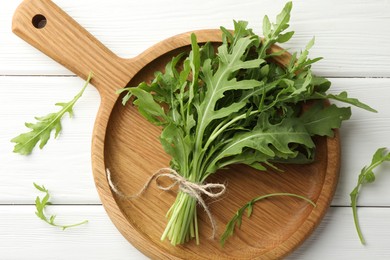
(353, 36)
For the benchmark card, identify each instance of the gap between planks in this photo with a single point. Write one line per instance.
(75, 76)
(99, 204)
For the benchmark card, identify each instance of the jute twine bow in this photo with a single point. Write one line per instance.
(195, 190)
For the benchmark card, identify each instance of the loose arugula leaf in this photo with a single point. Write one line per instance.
(236, 221)
(41, 130)
(40, 205)
(367, 176)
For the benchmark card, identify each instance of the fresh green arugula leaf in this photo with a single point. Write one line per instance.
(269, 141)
(40, 205)
(236, 221)
(266, 27)
(302, 63)
(148, 107)
(321, 120)
(367, 176)
(343, 97)
(41, 130)
(273, 32)
(285, 37)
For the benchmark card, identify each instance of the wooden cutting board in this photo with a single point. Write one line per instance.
(127, 144)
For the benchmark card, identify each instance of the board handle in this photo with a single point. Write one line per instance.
(44, 25)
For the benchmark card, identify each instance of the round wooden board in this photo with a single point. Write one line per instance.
(128, 145)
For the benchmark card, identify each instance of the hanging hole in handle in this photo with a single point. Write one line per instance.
(39, 21)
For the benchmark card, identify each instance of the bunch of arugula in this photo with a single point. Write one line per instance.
(235, 106)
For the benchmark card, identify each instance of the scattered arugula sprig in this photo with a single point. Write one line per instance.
(40, 205)
(367, 176)
(41, 130)
(236, 106)
(236, 221)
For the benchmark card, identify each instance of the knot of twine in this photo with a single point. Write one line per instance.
(195, 190)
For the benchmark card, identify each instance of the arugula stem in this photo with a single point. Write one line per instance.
(196, 227)
(73, 225)
(264, 47)
(366, 176)
(356, 219)
(237, 218)
(174, 209)
(182, 218)
(284, 194)
(218, 130)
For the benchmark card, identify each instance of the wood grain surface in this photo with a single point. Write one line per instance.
(128, 33)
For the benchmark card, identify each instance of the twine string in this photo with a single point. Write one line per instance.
(195, 190)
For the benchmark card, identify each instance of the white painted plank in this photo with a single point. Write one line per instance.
(64, 165)
(350, 34)
(336, 237)
(23, 234)
(361, 136)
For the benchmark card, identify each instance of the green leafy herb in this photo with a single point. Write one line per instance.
(343, 97)
(367, 176)
(237, 218)
(40, 205)
(41, 130)
(318, 118)
(235, 106)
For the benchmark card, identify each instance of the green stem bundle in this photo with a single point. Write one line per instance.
(182, 220)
